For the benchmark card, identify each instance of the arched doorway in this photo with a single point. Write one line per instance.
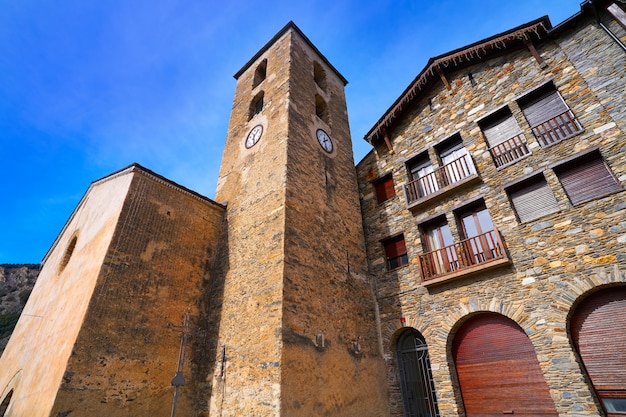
(598, 330)
(498, 369)
(416, 380)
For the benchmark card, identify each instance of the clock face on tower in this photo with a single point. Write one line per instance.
(254, 136)
(325, 142)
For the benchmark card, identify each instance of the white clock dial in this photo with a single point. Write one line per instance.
(254, 136)
(324, 140)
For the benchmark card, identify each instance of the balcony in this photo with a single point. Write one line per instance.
(558, 128)
(441, 180)
(477, 253)
(510, 151)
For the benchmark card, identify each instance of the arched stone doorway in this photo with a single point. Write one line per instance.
(416, 380)
(498, 370)
(598, 330)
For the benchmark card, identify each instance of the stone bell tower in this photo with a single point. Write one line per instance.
(297, 328)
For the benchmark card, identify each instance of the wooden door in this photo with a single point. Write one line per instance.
(498, 369)
(598, 329)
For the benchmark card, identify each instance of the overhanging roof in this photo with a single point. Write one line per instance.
(499, 44)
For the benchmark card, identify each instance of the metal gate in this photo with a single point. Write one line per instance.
(416, 380)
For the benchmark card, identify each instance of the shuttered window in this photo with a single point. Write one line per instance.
(395, 252)
(507, 143)
(385, 189)
(501, 128)
(532, 199)
(586, 178)
(598, 329)
(548, 115)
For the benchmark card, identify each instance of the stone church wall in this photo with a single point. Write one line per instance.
(158, 266)
(136, 255)
(48, 325)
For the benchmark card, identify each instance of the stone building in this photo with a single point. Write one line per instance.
(472, 264)
(494, 217)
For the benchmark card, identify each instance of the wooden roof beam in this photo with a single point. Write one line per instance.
(387, 140)
(534, 53)
(443, 77)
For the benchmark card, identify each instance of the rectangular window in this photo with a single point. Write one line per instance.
(480, 243)
(456, 161)
(548, 116)
(440, 254)
(395, 252)
(532, 198)
(423, 176)
(426, 178)
(385, 189)
(586, 178)
(506, 141)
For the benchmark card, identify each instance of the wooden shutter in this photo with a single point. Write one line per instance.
(384, 188)
(587, 178)
(544, 107)
(598, 328)
(498, 370)
(395, 247)
(533, 199)
(501, 129)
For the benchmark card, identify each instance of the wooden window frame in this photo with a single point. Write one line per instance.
(384, 187)
(395, 251)
(549, 116)
(508, 145)
(587, 177)
(532, 198)
(472, 210)
(434, 224)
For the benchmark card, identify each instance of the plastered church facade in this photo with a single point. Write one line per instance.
(472, 264)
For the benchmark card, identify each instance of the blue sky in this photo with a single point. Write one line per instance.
(89, 87)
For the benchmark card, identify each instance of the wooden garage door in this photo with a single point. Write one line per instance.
(498, 370)
(598, 329)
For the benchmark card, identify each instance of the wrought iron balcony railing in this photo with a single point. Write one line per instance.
(509, 151)
(462, 256)
(442, 177)
(558, 128)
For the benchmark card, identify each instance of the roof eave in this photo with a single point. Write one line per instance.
(459, 58)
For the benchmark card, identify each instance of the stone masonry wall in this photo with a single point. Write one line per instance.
(326, 291)
(252, 183)
(555, 260)
(35, 359)
(158, 266)
(294, 228)
(601, 64)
